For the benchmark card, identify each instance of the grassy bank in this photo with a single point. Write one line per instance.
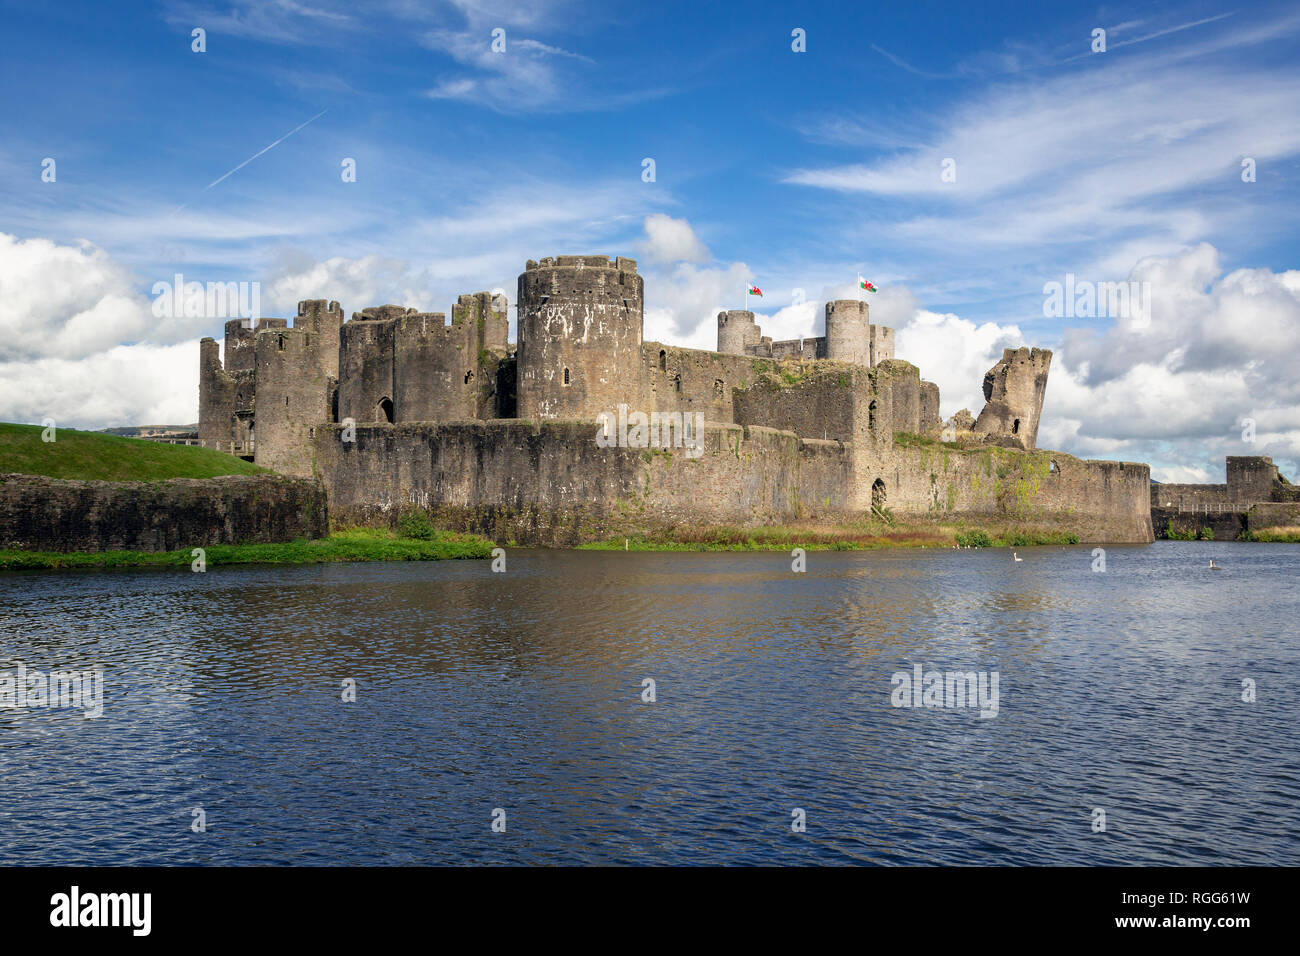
(1277, 535)
(91, 456)
(354, 544)
(856, 536)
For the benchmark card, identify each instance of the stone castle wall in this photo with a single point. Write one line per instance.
(48, 514)
(835, 420)
(552, 484)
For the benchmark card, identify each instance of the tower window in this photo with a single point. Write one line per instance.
(663, 360)
(677, 381)
(1015, 427)
(566, 376)
(469, 376)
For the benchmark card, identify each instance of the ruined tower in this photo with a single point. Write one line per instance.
(737, 332)
(293, 396)
(226, 394)
(580, 322)
(1013, 393)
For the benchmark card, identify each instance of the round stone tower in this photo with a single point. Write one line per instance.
(579, 332)
(848, 331)
(736, 329)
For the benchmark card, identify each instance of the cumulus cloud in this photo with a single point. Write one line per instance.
(142, 384)
(354, 283)
(1219, 350)
(67, 301)
(79, 342)
(672, 240)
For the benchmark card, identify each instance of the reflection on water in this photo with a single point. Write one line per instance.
(523, 691)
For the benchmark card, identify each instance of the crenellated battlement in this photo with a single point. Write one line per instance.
(392, 370)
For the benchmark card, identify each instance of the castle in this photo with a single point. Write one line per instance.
(399, 409)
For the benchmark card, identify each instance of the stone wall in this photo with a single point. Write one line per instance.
(49, 514)
(692, 380)
(550, 483)
(1102, 501)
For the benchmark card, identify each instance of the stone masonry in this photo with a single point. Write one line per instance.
(397, 408)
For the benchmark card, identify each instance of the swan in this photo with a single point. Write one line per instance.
(1213, 566)
(1016, 557)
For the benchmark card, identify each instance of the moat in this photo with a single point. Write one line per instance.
(523, 691)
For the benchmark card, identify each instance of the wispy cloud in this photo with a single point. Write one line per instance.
(265, 149)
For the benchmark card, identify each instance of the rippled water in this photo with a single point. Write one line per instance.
(522, 691)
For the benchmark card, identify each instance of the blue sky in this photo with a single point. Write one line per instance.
(792, 170)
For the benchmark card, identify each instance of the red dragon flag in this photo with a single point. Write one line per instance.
(754, 290)
(864, 284)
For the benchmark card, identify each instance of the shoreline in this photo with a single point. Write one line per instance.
(352, 544)
(423, 543)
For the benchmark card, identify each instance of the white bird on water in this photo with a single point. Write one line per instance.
(1016, 557)
(1213, 566)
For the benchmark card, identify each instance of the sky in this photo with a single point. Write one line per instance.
(962, 157)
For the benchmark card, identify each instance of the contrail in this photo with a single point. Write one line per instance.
(254, 156)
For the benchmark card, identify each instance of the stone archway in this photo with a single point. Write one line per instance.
(878, 496)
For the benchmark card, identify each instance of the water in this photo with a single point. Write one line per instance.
(522, 691)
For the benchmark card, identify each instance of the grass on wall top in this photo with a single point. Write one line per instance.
(92, 456)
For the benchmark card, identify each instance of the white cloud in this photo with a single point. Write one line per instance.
(672, 240)
(143, 384)
(1220, 349)
(1132, 151)
(72, 301)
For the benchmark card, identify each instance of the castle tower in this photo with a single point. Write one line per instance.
(737, 332)
(216, 398)
(325, 319)
(848, 332)
(882, 344)
(293, 396)
(580, 322)
(1013, 393)
(365, 365)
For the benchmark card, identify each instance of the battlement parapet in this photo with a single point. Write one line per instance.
(618, 263)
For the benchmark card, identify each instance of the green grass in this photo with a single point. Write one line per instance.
(91, 456)
(354, 544)
(1274, 535)
(863, 535)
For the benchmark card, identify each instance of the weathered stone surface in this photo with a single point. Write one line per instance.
(1013, 391)
(833, 425)
(580, 324)
(551, 484)
(49, 514)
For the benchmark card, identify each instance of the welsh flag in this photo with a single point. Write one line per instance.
(864, 284)
(755, 290)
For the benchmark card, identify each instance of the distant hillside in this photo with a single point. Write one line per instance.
(94, 456)
(135, 431)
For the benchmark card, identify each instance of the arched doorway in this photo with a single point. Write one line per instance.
(878, 496)
(385, 409)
